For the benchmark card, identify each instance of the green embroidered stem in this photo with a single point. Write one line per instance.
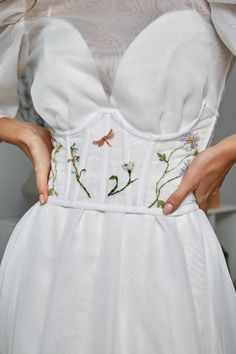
(78, 175)
(173, 168)
(169, 180)
(128, 167)
(157, 200)
(172, 152)
(74, 159)
(56, 149)
(162, 157)
(190, 140)
(114, 190)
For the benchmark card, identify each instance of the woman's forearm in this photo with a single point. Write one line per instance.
(227, 148)
(35, 142)
(17, 132)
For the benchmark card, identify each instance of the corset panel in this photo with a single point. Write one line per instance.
(108, 164)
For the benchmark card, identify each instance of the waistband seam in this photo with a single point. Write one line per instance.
(182, 209)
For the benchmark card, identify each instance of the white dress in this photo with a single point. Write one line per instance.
(130, 91)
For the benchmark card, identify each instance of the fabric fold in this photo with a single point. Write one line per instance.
(223, 14)
(13, 54)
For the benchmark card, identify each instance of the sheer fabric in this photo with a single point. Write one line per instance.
(223, 13)
(109, 29)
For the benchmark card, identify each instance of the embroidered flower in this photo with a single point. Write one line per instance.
(128, 166)
(191, 140)
(190, 143)
(74, 159)
(185, 167)
(104, 139)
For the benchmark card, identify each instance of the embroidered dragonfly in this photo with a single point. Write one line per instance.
(104, 138)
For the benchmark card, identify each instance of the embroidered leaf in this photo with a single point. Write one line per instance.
(83, 170)
(162, 157)
(190, 143)
(58, 147)
(53, 172)
(113, 177)
(160, 203)
(52, 192)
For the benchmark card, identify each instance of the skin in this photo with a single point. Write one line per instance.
(203, 177)
(205, 174)
(35, 142)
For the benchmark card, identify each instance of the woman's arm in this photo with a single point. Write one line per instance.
(205, 174)
(35, 142)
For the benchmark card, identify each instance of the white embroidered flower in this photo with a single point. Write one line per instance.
(128, 166)
(191, 140)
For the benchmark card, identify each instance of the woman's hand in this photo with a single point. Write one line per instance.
(35, 142)
(204, 175)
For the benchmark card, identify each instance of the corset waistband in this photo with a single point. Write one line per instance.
(186, 207)
(107, 165)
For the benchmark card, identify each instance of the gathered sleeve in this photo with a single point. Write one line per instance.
(13, 54)
(223, 14)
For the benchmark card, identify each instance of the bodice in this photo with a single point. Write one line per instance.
(159, 83)
(149, 76)
(154, 61)
(109, 165)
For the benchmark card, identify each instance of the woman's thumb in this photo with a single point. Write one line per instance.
(175, 199)
(41, 175)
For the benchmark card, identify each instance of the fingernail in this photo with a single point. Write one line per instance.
(168, 208)
(41, 199)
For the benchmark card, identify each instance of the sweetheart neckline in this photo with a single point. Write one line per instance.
(109, 98)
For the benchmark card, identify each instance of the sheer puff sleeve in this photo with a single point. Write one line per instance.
(13, 54)
(223, 14)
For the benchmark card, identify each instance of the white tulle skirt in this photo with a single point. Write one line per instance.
(76, 281)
